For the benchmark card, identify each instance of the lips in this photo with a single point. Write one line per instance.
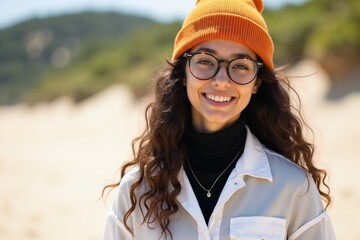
(217, 98)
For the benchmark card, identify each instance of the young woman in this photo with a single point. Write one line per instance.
(222, 156)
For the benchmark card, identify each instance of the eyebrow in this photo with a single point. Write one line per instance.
(235, 55)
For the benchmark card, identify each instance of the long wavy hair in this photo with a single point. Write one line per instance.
(160, 151)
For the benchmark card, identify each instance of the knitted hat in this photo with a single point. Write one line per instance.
(237, 20)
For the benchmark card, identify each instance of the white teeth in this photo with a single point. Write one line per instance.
(217, 98)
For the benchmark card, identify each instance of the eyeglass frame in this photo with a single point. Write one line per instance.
(258, 64)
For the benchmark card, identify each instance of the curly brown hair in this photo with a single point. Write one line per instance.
(160, 150)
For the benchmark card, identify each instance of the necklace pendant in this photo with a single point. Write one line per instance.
(208, 194)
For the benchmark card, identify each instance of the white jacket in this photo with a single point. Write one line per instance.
(265, 197)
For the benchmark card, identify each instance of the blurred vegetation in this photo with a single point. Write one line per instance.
(325, 30)
(98, 64)
(80, 54)
(39, 47)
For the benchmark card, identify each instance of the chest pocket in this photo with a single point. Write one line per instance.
(257, 228)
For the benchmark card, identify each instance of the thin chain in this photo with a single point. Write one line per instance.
(209, 190)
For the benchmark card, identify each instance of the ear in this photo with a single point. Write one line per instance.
(256, 85)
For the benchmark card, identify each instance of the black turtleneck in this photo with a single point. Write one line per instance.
(209, 154)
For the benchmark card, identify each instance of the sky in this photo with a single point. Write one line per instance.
(15, 11)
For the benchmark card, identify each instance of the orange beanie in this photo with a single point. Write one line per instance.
(237, 20)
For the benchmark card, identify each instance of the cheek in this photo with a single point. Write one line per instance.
(192, 84)
(245, 95)
(247, 90)
(192, 89)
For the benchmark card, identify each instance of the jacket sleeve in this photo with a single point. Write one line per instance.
(309, 220)
(115, 229)
(318, 228)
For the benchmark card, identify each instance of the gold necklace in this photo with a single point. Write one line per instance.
(208, 194)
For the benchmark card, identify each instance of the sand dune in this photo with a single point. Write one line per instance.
(56, 157)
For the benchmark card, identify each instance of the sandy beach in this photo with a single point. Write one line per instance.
(56, 157)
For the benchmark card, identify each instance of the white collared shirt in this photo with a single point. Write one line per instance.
(266, 196)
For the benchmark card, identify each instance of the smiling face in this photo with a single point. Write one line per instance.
(218, 102)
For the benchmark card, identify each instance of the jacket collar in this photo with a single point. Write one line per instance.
(254, 161)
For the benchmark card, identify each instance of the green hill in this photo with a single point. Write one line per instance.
(36, 47)
(132, 61)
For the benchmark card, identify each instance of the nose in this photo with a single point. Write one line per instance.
(221, 79)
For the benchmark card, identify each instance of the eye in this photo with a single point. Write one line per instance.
(205, 61)
(240, 67)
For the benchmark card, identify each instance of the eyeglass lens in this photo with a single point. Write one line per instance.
(205, 66)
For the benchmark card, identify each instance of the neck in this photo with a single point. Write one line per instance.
(217, 145)
(204, 126)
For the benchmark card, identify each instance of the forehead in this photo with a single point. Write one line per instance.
(224, 48)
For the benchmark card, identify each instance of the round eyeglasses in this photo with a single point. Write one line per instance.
(204, 66)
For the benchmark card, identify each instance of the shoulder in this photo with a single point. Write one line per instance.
(296, 183)
(282, 169)
(122, 197)
(286, 171)
(294, 178)
(279, 162)
(130, 177)
(128, 180)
